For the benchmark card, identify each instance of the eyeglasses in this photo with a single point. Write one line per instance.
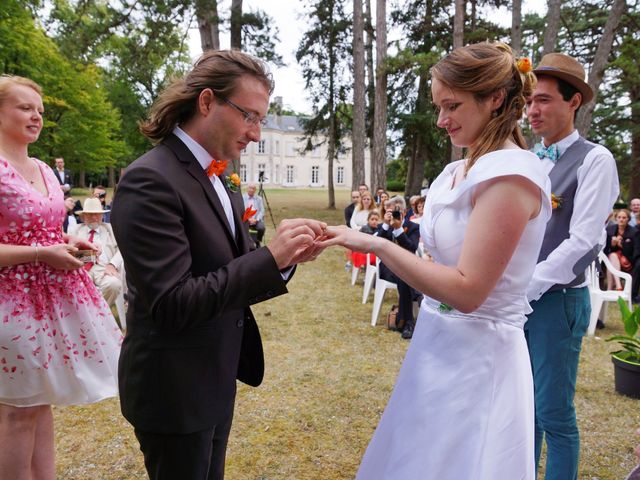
(250, 118)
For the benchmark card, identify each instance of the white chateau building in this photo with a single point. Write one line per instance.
(279, 155)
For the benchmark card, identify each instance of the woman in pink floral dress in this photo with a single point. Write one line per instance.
(59, 343)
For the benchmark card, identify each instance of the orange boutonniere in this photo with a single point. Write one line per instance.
(556, 201)
(217, 167)
(233, 182)
(524, 65)
(248, 213)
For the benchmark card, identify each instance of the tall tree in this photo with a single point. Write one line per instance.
(379, 160)
(458, 41)
(358, 133)
(322, 54)
(236, 24)
(368, 48)
(596, 71)
(208, 24)
(553, 26)
(516, 26)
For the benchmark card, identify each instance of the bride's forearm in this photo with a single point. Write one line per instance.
(446, 284)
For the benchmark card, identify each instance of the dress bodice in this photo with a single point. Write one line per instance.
(446, 214)
(27, 216)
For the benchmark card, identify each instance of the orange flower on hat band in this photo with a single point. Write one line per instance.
(524, 65)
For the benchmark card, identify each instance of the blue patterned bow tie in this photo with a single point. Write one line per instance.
(551, 152)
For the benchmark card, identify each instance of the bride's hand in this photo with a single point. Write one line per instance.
(349, 238)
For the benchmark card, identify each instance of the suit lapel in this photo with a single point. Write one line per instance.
(195, 170)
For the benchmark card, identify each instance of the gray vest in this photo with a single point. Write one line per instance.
(564, 183)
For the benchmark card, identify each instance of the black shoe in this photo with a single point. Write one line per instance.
(407, 333)
(599, 324)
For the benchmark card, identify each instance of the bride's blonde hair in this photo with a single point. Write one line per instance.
(483, 69)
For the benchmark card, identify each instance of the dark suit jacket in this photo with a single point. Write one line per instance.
(190, 332)
(409, 240)
(628, 238)
(67, 177)
(348, 213)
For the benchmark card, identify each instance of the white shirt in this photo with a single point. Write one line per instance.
(204, 159)
(597, 191)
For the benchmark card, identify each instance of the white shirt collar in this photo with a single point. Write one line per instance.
(566, 142)
(202, 156)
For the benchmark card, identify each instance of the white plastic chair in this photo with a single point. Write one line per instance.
(381, 287)
(354, 274)
(369, 277)
(598, 296)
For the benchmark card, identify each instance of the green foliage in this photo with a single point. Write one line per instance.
(80, 123)
(396, 185)
(630, 342)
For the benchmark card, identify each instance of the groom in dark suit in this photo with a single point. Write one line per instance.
(178, 219)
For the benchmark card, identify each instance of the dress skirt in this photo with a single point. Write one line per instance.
(462, 407)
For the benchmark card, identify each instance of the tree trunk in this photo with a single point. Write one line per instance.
(458, 41)
(596, 72)
(208, 24)
(331, 148)
(236, 24)
(358, 127)
(82, 178)
(553, 26)
(111, 181)
(379, 160)
(516, 26)
(415, 169)
(368, 48)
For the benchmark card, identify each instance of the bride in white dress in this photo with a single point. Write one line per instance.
(462, 407)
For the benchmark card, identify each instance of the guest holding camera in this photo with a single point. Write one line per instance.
(100, 193)
(407, 237)
(59, 344)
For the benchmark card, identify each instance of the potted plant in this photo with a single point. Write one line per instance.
(626, 360)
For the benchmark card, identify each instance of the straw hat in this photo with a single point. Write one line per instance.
(565, 68)
(92, 205)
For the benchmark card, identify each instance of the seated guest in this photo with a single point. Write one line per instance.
(70, 219)
(635, 274)
(256, 222)
(361, 212)
(619, 246)
(100, 193)
(408, 238)
(348, 211)
(378, 196)
(634, 206)
(372, 223)
(384, 196)
(105, 271)
(419, 209)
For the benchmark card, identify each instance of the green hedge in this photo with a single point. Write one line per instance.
(395, 186)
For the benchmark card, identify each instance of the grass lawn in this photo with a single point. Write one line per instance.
(328, 377)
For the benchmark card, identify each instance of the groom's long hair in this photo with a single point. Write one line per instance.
(483, 69)
(218, 70)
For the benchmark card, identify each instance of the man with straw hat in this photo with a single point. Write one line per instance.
(584, 185)
(105, 271)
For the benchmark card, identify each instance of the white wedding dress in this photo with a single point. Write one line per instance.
(462, 407)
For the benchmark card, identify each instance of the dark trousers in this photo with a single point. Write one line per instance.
(192, 456)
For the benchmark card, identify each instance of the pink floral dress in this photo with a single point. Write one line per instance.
(59, 343)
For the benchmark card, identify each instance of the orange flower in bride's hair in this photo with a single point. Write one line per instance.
(248, 213)
(524, 65)
(217, 167)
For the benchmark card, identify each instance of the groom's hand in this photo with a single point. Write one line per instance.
(295, 241)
